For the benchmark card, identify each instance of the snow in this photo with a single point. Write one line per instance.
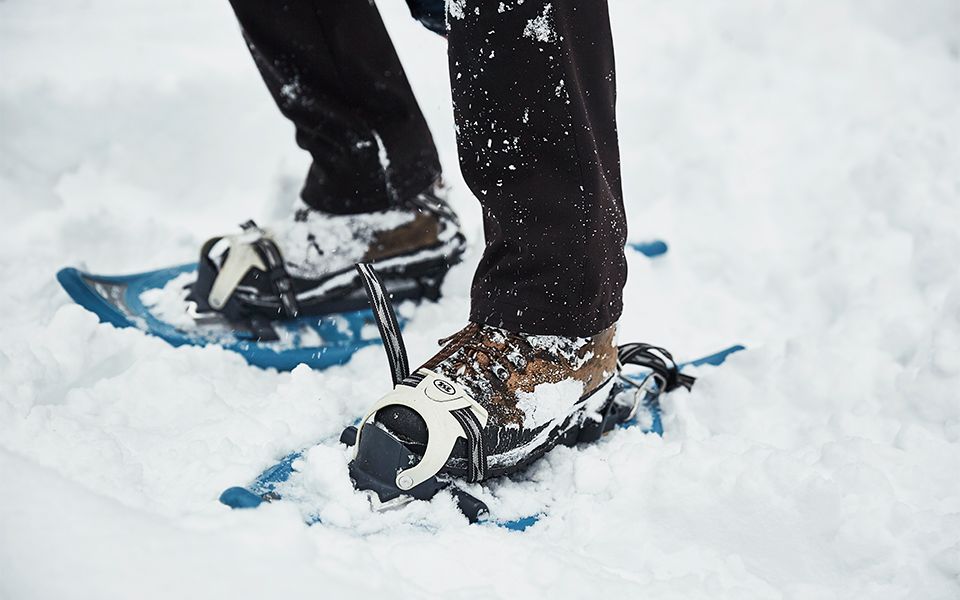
(321, 244)
(547, 401)
(800, 157)
(540, 28)
(170, 304)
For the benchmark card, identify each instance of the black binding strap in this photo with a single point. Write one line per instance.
(414, 379)
(279, 277)
(235, 309)
(659, 361)
(476, 453)
(386, 322)
(400, 369)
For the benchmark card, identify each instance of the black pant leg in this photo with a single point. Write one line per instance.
(333, 71)
(534, 103)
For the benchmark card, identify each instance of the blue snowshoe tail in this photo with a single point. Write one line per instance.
(651, 248)
(521, 524)
(263, 488)
(278, 473)
(716, 359)
(238, 497)
(106, 296)
(317, 341)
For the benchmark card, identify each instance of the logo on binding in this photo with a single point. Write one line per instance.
(444, 387)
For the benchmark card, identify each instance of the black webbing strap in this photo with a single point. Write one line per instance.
(400, 368)
(279, 278)
(657, 360)
(282, 283)
(414, 379)
(386, 322)
(476, 453)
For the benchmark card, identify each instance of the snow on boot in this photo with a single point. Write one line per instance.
(305, 266)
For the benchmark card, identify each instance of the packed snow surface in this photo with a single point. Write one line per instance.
(802, 158)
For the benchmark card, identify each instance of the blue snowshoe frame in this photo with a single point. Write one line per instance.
(116, 300)
(265, 486)
(341, 333)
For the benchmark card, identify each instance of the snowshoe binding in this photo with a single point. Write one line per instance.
(288, 294)
(306, 268)
(490, 403)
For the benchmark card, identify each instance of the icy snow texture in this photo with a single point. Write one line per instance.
(547, 401)
(800, 156)
(321, 243)
(455, 8)
(541, 28)
(169, 303)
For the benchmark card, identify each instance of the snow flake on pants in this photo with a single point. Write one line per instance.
(540, 28)
(456, 8)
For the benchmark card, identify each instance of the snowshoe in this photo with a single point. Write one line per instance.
(288, 294)
(490, 403)
(306, 268)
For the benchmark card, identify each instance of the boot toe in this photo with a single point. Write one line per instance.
(404, 423)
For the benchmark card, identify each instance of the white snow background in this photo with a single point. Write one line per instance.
(801, 157)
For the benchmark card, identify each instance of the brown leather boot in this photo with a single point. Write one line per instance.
(533, 388)
(305, 265)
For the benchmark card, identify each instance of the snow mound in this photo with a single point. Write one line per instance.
(800, 156)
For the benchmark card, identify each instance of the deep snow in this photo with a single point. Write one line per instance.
(802, 157)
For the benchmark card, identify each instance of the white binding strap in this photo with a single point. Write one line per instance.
(252, 249)
(435, 399)
(241, 258)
